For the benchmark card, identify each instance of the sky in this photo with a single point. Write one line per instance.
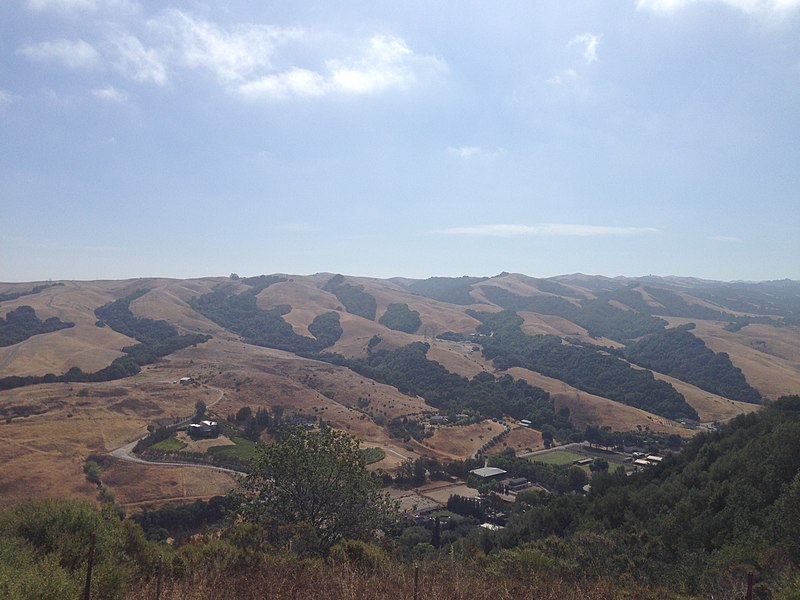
(414, 139)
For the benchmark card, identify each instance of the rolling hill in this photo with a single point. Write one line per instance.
(92, 364)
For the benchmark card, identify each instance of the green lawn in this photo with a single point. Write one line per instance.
(171, 444)
(373, 455)
(242, 450)
(557, 457)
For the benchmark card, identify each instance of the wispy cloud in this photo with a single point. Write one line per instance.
(545, 229)
(728, 239)
(131, 57)
(80, 6)
(764, 8)
(75, 54)
(589, 42)
(252, 60)
(231, 55)
(386, 63)
(110, 94)
(472, 152)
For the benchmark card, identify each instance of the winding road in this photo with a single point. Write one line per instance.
(125, 452)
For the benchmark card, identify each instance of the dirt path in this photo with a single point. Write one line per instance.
(552, 449)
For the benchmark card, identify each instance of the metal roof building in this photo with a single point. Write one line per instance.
(487, 472)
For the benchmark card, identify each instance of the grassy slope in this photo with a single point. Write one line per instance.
(43, 452)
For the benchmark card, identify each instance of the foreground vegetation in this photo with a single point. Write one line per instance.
(695, 526)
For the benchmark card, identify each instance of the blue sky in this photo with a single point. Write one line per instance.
(188, 139)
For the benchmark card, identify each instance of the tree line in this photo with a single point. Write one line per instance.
(585, 367)
(22, 323)
(156, 338)
(677, 352)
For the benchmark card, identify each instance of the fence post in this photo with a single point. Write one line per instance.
(87, 590)
(416, 581)
(749, 587)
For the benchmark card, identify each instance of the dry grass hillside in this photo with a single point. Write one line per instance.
(43, 453)
(768, 356)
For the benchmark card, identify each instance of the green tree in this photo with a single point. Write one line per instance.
(313, 486)
(199, 411)
(548, 433)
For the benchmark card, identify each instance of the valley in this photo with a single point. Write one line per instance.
(270, 346)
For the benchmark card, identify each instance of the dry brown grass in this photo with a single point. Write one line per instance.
(536, 324)
(136, 484)
(43, 454)
(588, 409)
(459, 357)
(460, 442)
(85, 345)
(457, 580)
(710, 407)
(521, 439)
(768, 356)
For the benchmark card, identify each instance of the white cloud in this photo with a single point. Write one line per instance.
(75, 54)
(230, 55)
(253, 60)
(296, 82)
(110, 94)
(387, 63)
(728, 239)
(543, 229)
(764, 8)
(472, 152)
(589, 42)
(133, 59)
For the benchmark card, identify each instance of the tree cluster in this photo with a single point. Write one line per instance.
(455, 290)
(586, 367)
(356, 301)
(677, 352)
(240, 314)
(400, 318)
(313, 486)
(597, 316)
(22, 323)
(410, 371)
(729, 499)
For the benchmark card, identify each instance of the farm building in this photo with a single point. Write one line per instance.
(488, 472)
(517, 484)
(204, 429)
